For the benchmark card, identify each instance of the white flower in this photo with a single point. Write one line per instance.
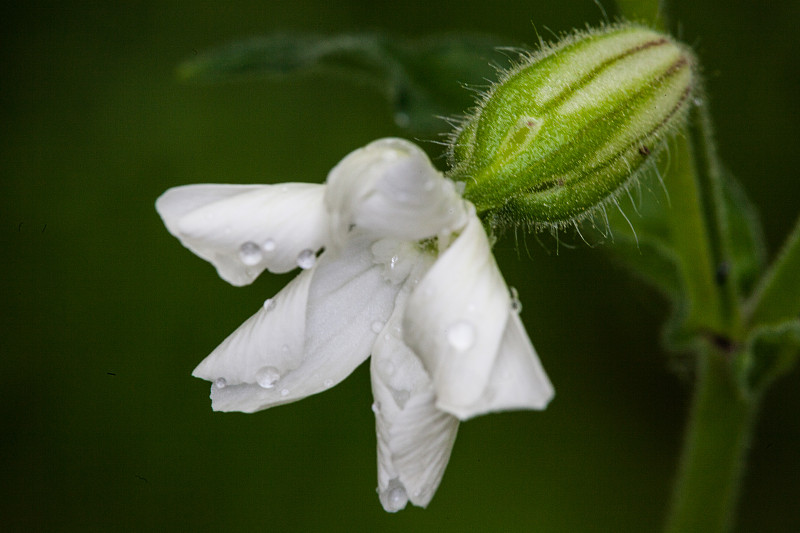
(406, 275)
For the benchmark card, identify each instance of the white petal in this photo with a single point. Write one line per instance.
(244, 229)
(456, 317)
(390, 189)
(344, 295)
(272, 338)
(518, 380)
(414, 437)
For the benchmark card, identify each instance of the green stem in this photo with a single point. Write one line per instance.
(709, 170)
(689, 233)
(714, 450)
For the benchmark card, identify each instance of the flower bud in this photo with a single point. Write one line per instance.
(566, 130)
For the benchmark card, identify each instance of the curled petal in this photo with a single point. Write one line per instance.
(272, 339)
(332, 307)
(414, 437)
(517, 381)
(244, 229)
(456, 317)
(390, 189)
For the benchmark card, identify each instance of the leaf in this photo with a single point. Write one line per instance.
(772, 351)
(422, 78)
(777, 296)
(747, 250)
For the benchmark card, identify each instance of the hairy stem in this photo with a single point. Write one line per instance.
(714, 450)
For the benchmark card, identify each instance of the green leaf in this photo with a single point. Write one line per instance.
(777, 296)
(772, 351)
(747, 249)
(422, 78)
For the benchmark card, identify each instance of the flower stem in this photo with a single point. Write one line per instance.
(716, 442)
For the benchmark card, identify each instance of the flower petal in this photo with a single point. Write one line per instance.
(456, 317)
(414, 437)
(244, 229)
(333, 307)
(518, 380)
(390, 189)
(273, 338)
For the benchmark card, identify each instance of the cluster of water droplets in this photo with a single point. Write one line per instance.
(251, 254)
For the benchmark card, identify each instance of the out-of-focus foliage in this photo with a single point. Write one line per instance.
(423, 78)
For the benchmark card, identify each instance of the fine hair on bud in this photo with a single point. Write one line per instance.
(569, 128)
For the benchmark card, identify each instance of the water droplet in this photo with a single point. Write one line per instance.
(327, 383)
(402, 119)
(461, 336)
(250, 253)
(267, 377)
(306, 259)
(376, 326)
(394, 498)
(376, 408)
(220, 383)
(397, 497)
(393, 262)
(284, 392)
(269, 304)
(269, 245)
(516, 305)
(401, 397)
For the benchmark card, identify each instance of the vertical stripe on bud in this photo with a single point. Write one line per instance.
(567, 129)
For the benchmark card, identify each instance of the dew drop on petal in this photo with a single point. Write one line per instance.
(376, 326)
(284, 392)
(306, 259)
(267, 377)
(394, 498)
(269, 245)
(220, 383)
(401, 397)
(376, 407)
(250, 253)
(516, 305)
(269, 304)
(327, 383)
(461, 336)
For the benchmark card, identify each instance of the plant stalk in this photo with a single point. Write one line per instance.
(715, 446)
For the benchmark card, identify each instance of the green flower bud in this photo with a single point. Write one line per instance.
(565, 131)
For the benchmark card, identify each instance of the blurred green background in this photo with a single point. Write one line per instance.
(105, 429)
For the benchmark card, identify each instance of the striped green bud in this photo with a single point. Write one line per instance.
(566, 130)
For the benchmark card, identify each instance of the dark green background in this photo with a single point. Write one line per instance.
(106, 314)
